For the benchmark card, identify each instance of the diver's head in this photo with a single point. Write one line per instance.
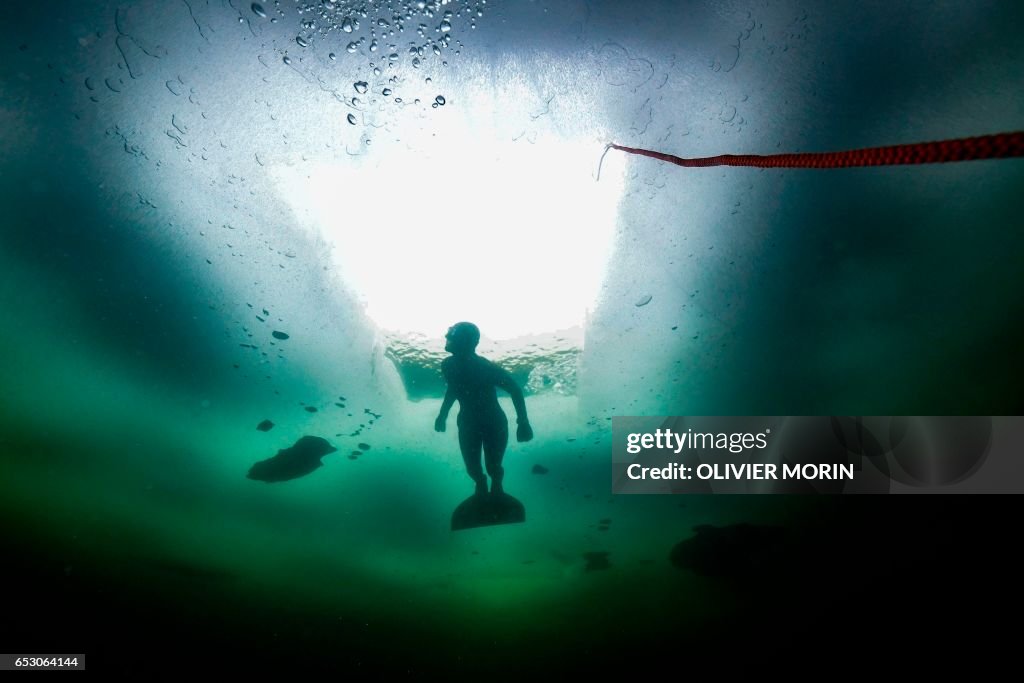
(462, 338)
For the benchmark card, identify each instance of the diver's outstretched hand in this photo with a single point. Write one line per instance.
(524, 432)
(439, 424)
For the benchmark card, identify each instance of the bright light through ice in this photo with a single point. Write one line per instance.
(513, 236)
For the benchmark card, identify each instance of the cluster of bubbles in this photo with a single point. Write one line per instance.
(388, 33)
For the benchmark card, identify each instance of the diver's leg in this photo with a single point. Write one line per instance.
(495, 441)
(470, 441)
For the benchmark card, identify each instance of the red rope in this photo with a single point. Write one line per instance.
(999, 146)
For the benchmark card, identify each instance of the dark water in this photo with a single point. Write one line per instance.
(153, 241)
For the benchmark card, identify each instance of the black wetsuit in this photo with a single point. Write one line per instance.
(473, 382)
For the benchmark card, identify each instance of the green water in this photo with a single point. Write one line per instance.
(133, 487)
(148, 251)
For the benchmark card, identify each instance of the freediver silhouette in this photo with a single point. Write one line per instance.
(473, 381)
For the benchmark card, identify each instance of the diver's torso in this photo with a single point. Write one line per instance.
(473, 380)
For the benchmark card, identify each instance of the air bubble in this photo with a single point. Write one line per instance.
(439, 100)
(351, 119)
(360, 86)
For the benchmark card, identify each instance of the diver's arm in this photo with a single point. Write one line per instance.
(449, 400)
(446, 405)
(524, 432)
